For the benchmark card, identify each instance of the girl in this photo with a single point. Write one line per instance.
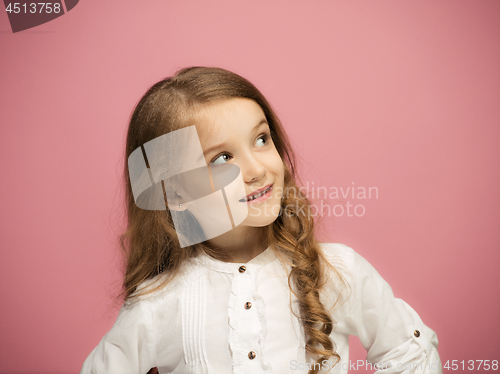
(252, 293)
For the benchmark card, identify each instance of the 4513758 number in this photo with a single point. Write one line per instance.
(465, 365)
(33, 8)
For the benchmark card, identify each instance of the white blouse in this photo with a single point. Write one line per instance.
(219, 317)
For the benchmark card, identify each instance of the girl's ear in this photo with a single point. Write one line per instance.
(175, 196)
(177, 203)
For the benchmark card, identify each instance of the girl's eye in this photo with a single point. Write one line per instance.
(221, 159)
(264, 139)
(225, 157)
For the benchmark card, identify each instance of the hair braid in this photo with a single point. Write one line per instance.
(294, 235)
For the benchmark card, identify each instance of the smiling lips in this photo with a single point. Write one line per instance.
(259, 195)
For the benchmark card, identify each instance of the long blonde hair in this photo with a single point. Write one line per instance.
(150, 245)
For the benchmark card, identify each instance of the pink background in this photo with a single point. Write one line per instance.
(402, 96)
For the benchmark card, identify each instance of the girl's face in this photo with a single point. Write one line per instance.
(236, 131)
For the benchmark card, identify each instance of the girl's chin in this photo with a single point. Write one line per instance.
(260, 220)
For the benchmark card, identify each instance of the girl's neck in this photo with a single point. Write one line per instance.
(240, 245)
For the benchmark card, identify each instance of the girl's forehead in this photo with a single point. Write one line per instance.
(234, 114)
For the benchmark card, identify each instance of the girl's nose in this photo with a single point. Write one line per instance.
(252, 170)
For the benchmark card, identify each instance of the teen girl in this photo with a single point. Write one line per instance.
(262, 297)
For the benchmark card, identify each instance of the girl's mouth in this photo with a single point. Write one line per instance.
(258, 196)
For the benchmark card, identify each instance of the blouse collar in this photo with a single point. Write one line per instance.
(258, 261)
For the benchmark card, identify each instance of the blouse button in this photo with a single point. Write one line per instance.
(248, 305)
(416, 333)
(251, 355)
(242, 269)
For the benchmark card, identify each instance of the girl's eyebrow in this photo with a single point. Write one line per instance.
(223, 145)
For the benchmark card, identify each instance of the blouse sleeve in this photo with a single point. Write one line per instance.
(396, 339)
(129, 347)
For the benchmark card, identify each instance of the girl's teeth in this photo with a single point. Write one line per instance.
(259, 195)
